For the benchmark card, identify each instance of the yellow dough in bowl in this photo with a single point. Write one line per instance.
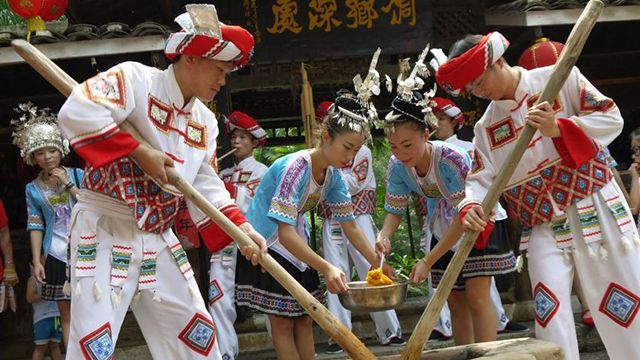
(376, 277)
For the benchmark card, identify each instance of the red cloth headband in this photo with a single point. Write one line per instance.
(461, 70)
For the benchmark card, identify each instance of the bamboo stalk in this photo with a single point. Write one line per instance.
(225, 155)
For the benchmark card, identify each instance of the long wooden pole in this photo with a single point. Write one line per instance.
(562, 69)
(338, 332)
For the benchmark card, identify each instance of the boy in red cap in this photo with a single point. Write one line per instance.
(242, 181)
(123, 252)
(575, 218)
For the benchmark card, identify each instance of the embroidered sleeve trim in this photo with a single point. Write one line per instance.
(108, 89)
(213, 236)
(101, 150)
(342, 211)
(592, 100)
(396, 204)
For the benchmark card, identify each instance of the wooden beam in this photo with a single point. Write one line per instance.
(560, 17)
(616, 81)
(88, 48)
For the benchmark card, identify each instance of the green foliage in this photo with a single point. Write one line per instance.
(404, 263)
(267, 155)
(7, 17)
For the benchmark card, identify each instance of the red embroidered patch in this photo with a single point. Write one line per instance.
(199, 334)
(502, 133)
(478, 165)
(160, 114)
(244, 177)
(592, 100)
(107, 89)
(361, 170)
(215, 292)
(620, 305)
(196, 135)
(98, 344)
(546, 304)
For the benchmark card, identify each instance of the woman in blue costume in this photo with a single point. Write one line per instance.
(437, 170)
(293, 185)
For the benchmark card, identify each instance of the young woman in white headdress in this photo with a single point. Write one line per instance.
(437, 171)
(337, 250)
(293, 185)
(50, 198)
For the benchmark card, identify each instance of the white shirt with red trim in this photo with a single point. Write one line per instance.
(361, 183)
(553, 173)
(467, 146)
(152, 101)
(244, 179)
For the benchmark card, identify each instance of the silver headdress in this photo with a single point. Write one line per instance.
(410, 101)
(358, 120)
(35, 129)
(200, 19)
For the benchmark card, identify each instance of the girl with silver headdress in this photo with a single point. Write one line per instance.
(437, 171)
(337, 250)
(50, 198)
(293, 185)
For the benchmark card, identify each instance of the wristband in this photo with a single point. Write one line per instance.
(425, 261)
(69, 185)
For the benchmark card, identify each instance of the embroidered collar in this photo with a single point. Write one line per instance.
(451, 139)
(521, 94)
(175, 94)
(244, 162)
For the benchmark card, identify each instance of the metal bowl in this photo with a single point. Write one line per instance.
(361, 297)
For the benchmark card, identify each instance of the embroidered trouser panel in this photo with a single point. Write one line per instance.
(611, 286)
(337, 250)
(221, 300)
(114, 265)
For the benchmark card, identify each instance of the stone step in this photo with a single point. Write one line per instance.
(255, 343)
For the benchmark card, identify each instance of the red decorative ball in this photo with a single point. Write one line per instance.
(543, 53)
(53, 9)
(25, 8)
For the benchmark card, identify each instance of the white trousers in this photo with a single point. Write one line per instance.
(337, 250)
(222, 282)
(611, 286)
(115, 265)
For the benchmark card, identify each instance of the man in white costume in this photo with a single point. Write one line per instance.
(123, 252)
